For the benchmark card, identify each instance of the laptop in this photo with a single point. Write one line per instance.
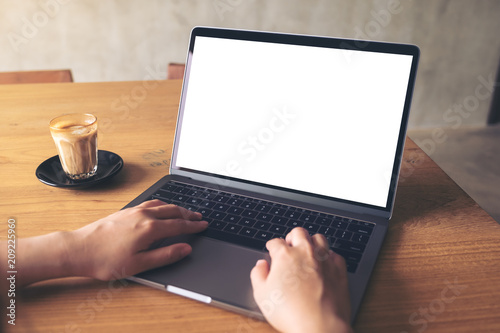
(276, 131)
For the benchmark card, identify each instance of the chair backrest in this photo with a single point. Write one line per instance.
(52, 76)
(175, 71)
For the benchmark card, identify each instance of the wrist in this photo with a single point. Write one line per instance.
(44, 257)
(62, 244)
(72, 254)
(67, 253)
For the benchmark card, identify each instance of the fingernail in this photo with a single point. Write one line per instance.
(185, 251)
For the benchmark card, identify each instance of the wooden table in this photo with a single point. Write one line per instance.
(439, 269)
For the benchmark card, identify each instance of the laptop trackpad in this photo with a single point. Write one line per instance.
(214, 269)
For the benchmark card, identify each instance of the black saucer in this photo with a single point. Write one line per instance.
(50, 172)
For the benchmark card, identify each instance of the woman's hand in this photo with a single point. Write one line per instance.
(120, 242)
(114, 247)
(305, 288)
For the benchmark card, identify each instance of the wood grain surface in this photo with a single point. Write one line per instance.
(438, 271)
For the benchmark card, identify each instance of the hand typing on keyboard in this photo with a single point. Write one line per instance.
(293, 292)
(252, 222)
(296, 293)
(130, 250)
(111, 248)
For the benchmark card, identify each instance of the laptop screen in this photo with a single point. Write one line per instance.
(313, 119)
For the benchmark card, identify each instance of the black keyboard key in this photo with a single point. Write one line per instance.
(217, 215)
(349, 246)
(219, 225)
(194, 201)
(360, 238)
(180, 198)
(366, 224)
(220, 207)
(262, 225)
(264, 235)
(231, 218)
(327, 231)
(264, 217)
(207, 204)
(246, 222)
(249, 232)
(262, 208)
(291, 214)
(211, 190)
(249, 204)
(234, 210)
(279, 220)
(181, 189)
(221, 198)
(193, 193)
(208, 195)
(307, 217)
(360, 229)
(169, 187)
(257, 244)
(279, 230)
(233, 228)
(343, 234)
(339, 224)
(326, 221)
(293, 223)
(204, 211)
(348, 255)
(311, 228)
(249, 213)
(164, 194)
(277, 211)
(234, 202)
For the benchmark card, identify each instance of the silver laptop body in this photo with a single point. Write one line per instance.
(314, 123)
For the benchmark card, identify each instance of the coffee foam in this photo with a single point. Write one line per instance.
(73, 132)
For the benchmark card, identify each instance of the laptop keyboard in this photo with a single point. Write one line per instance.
(252, 222)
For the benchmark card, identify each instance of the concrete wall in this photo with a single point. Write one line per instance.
(107, 40)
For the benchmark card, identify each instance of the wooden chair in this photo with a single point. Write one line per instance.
(52, 76)
(175, 71)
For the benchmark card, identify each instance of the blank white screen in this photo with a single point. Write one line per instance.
(319, 120)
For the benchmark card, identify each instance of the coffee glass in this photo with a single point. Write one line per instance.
(75, 136)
